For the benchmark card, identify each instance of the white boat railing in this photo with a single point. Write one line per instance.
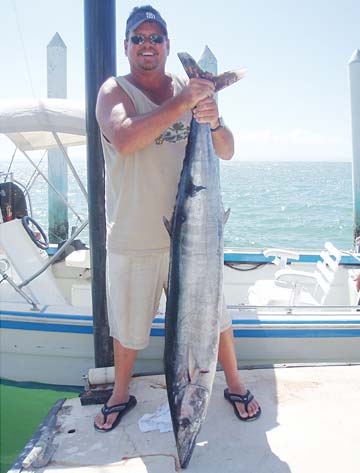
(51, 185)
(56, 255)
(297, 311)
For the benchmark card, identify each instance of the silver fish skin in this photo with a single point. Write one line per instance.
(194, 298)
(195, 294)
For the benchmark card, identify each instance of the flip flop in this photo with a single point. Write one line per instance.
(245, 399)
(122, 409)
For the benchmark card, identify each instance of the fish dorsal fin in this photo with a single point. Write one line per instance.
(227, 215)
(193, 70)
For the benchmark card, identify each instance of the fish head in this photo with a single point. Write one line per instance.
(191, 414)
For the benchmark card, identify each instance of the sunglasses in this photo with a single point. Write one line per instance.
(153, 38)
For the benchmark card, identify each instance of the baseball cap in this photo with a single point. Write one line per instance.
(142, 14)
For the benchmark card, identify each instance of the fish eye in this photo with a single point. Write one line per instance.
(184, 422)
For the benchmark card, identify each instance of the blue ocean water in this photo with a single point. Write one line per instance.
(288, 204)
(279, 204)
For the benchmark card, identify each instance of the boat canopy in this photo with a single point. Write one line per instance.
(33, 124)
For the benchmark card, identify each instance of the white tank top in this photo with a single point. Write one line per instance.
(140, 189)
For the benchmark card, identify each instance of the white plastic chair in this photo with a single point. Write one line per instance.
(288, 286)
(281, 256)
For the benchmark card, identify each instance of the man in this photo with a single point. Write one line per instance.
(144, 118)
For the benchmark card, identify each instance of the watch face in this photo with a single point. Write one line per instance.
(221, 122)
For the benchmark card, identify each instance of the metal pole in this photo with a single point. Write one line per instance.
(100, 63)
(208, 61)
(354, 73)
(57, 168)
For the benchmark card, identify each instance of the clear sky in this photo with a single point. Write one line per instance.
(292, 105)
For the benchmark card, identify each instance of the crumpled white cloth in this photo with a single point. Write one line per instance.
(158, 420)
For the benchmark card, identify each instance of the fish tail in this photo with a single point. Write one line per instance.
(193, 70)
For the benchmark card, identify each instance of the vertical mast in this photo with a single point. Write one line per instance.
(57, 166)
(354, 73)
(100, 63)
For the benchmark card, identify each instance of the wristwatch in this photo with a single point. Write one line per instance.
(220, 125)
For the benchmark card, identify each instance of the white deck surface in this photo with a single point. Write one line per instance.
(310, 423)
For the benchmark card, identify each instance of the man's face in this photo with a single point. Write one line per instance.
(147, 56)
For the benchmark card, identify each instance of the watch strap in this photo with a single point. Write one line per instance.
(220, 125)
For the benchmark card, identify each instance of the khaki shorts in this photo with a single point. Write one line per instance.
(134, 287)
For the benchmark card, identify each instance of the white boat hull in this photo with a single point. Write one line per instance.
(55, 344)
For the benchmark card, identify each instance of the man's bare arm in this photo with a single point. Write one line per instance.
(129, 132)
(207, 111)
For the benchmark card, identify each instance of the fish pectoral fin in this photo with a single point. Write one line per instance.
(194, 377)
(195, 371)
(226, 215)
(168, 225)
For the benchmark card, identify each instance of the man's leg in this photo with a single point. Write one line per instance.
(124, 359)
(227, 359)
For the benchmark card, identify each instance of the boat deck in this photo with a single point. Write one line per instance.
(310, 422)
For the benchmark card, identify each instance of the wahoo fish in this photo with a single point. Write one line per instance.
(195, 293)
